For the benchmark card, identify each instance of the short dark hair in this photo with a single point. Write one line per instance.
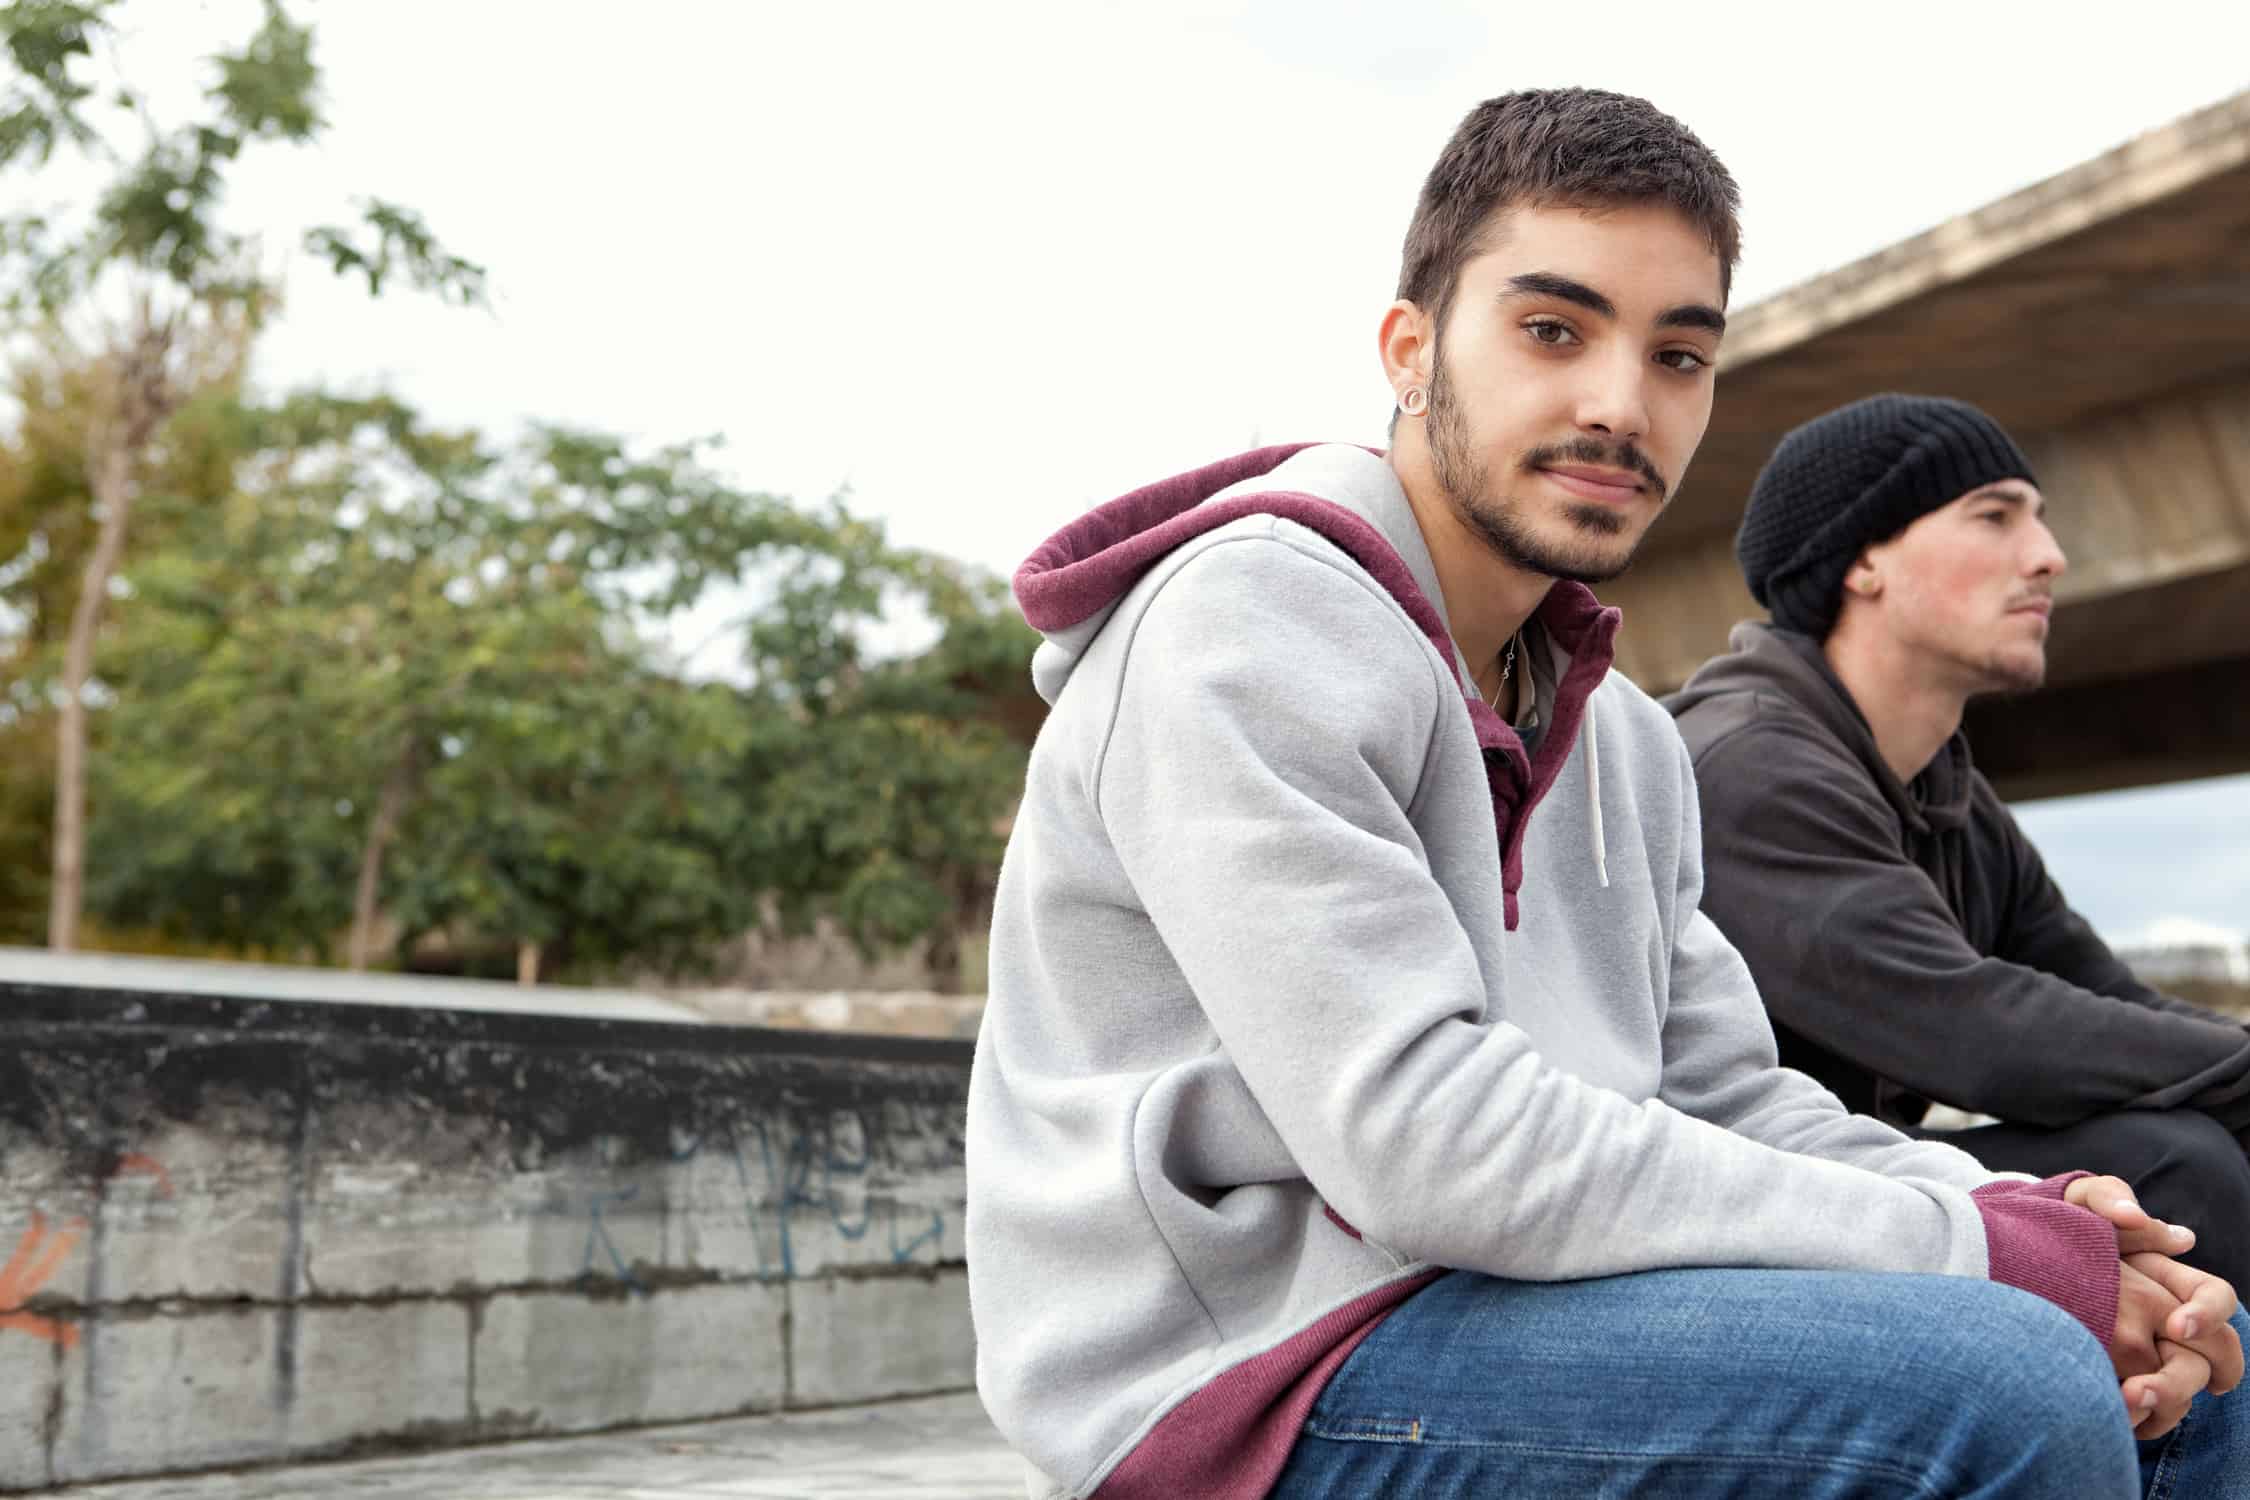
(1558, 146)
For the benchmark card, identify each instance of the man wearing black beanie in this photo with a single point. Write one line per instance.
(1903, 932)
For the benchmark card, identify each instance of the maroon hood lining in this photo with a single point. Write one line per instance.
(1094, 561)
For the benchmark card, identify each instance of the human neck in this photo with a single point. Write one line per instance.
(1486, 598)
(1912, 710)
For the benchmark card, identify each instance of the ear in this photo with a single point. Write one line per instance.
(1408, 347)
(1865, 580)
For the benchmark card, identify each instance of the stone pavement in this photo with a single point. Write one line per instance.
(940, 1446)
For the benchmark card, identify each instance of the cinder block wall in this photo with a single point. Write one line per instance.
(242, 1230)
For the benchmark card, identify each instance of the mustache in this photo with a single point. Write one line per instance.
(1593, 451)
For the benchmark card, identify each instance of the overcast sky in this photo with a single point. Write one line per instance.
(2176, 855)
(989, 263)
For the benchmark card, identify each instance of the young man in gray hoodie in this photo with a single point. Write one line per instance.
(1906, 938)
(1362, 1106)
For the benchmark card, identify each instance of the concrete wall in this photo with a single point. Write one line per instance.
(247, 1229)
(885, 1012)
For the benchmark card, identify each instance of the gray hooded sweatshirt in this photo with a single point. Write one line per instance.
(1294, 1004)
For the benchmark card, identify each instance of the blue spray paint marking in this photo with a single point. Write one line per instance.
(788, 1177)
(597, 1230)
(830, 1164)
(901, 1254)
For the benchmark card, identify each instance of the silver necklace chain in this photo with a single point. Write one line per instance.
(1507, 665)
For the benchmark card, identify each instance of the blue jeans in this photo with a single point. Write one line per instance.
(1793, 1385)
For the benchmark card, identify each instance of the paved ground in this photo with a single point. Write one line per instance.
(907, 1450)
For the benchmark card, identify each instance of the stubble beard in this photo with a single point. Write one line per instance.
(1971, 670)
(2005, 672)
(1950, 648)
(1467, 484)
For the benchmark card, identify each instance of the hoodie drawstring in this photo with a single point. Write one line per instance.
(1592, 747)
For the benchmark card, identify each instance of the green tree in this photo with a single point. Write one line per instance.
(877, 793)
(161, 296)
(585, 827)
(401, 671)
(47, 534)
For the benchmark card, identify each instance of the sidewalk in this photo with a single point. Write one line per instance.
(940, 1446)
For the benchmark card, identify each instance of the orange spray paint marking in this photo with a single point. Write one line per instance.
(37, 1257)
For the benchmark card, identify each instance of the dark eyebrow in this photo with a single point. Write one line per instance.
(1562, 289)
(1694, 315)
(2037, 503)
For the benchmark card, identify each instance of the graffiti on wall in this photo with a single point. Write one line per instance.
(783, 1174)
(41, 1251)
(38, 1255)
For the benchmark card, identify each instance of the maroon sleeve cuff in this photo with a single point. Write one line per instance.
(2052, 1249)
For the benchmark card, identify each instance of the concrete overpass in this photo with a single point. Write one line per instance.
(2104, 317)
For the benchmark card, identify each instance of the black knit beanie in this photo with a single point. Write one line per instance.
(1859, 475)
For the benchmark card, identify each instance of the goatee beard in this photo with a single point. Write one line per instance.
(1468, 487)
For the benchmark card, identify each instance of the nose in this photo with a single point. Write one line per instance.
(1614, 399)
(2046, 559)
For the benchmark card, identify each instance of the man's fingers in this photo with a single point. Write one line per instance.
(2142, 1396)
(2155, 1403)
(2112, 1198)
(2200, 1321)
(2138, 1231)
(2158, 1238)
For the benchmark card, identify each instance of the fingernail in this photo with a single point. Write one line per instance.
(2180, 1234)
(2148, 1399)
(2188, 1326)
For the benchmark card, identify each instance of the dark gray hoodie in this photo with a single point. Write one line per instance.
(1907, 941)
